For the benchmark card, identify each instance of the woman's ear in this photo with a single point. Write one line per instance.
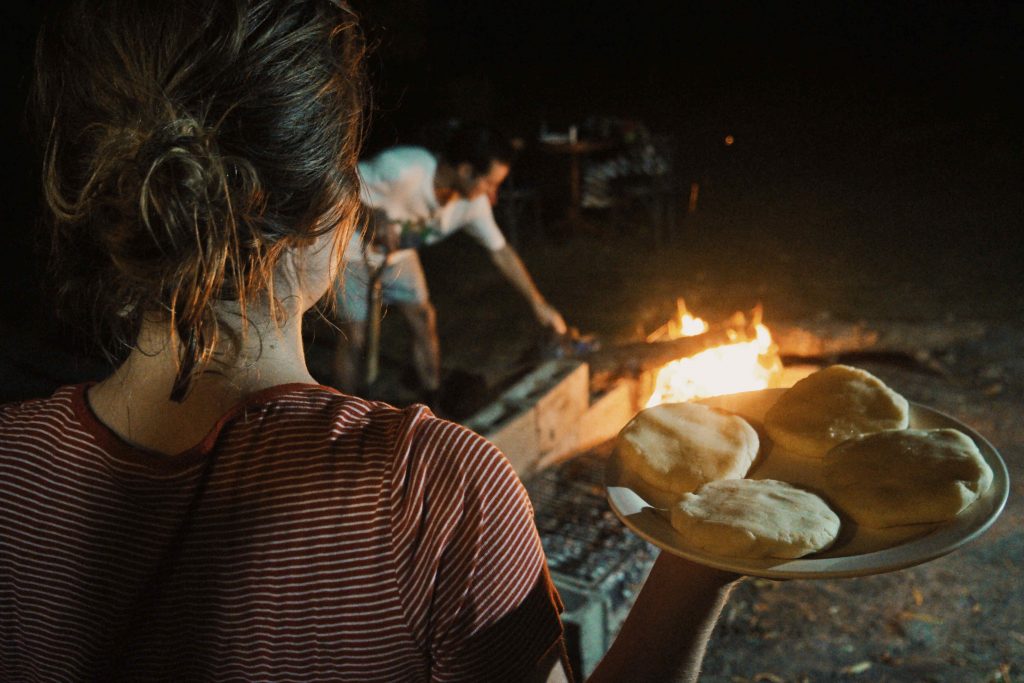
(308, 270)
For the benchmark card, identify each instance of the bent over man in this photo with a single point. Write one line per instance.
(417, 198)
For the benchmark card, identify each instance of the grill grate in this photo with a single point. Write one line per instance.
(597, 564)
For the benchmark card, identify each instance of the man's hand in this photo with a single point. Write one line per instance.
(549, 317)
(510, 265)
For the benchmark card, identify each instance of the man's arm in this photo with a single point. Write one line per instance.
(511, 266)
(666, 632)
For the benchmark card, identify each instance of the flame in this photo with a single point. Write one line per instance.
(744, 365)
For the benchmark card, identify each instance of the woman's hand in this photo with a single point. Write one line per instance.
(667, 630)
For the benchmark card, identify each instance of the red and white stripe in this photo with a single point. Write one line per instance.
(310, 536)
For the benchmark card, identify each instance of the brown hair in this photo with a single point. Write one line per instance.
(188, 144)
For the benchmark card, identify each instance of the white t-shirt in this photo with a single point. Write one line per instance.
(400, 182)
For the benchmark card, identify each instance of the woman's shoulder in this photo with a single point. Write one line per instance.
(43, 425)
(59, 403)
(434, 471)
(413, 433)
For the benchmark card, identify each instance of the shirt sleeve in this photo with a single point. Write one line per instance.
(481, 225)
(511, 648)
(493, 612)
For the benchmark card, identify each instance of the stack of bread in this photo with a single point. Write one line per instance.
(875, 470)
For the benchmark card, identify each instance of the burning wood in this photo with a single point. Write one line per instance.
(581, 401)
(689, 359)
(652, 354)
(823, 338)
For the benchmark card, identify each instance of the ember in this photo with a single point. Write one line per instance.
(748, 362)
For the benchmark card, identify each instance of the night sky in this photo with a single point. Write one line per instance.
(807, 88)
(696, 66)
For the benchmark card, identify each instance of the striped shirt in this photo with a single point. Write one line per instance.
(310, 536)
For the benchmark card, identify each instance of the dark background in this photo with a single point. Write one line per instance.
(781, 72)
(883, 128)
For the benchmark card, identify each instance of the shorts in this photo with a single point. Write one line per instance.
(402, 282)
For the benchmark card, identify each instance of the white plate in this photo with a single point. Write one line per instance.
(858, 551)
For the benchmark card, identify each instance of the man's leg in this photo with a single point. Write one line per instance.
(426, 350)
(404, 286)
(348, 357)
(350, 347)
(408, 291)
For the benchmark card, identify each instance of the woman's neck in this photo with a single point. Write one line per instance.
(267, 352)
(135, 401)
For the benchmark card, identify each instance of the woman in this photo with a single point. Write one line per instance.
(209, 512)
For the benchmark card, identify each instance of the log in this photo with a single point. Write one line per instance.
(638, 357)
(830, 338)
(918, 345)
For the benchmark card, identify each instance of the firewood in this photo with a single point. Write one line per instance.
(829, 338)
(641, 356)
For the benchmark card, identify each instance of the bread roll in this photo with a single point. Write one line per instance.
(909, 476)
(755, 518)
(676, 447)
(831, 406)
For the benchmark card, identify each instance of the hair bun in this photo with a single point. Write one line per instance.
(182, 180)
(176, 136)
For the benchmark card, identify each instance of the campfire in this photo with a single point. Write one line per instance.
(568, 405)
(747, 360)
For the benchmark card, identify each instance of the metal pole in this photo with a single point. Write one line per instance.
(375, 308)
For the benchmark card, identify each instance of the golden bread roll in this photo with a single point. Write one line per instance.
(676, 447)
(831, 406)
(908, 476)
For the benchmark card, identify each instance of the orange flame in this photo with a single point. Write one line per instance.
(744, 365)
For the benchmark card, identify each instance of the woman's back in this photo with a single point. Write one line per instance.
(200, 175)
(311, 535)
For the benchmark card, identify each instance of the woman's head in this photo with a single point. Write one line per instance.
(191, 144)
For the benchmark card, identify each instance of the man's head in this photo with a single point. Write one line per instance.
(480, 157)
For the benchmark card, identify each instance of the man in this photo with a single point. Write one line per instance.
(417, 198)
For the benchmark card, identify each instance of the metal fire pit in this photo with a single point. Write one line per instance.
(596, 563)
